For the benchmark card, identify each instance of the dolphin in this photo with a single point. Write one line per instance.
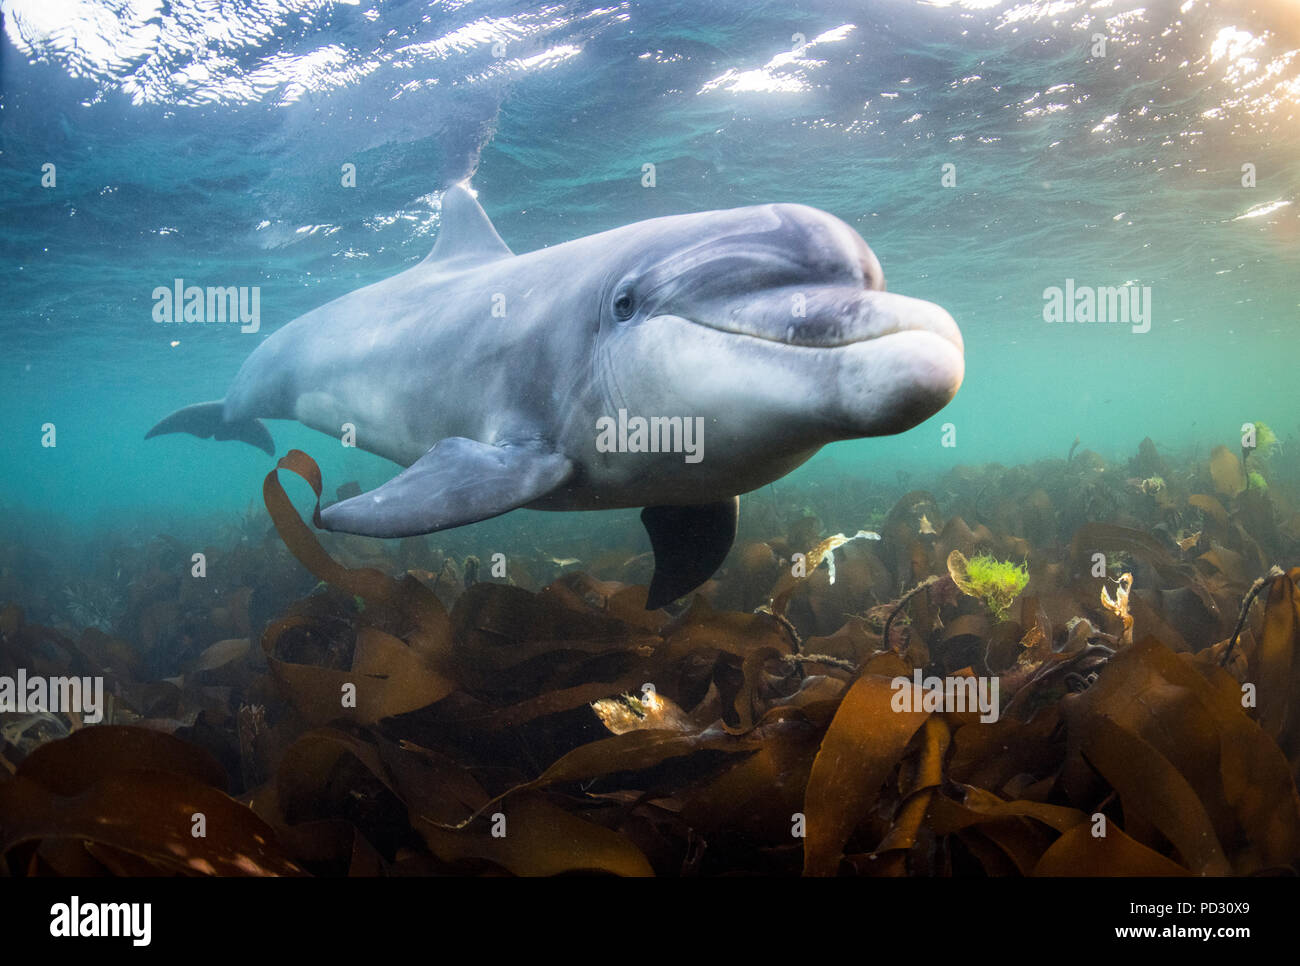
(753, 335)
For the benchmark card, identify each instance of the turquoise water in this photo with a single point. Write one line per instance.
(210, 150)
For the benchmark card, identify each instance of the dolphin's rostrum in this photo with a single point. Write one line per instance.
(771, 323)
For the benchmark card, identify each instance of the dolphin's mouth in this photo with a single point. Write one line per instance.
(882, 362)
(895, 382)
(830, 318)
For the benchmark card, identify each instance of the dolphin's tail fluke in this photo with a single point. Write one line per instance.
(207, 421)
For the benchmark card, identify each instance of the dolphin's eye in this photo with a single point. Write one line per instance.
(624, 305)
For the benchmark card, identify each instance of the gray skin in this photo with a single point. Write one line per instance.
(771, 322)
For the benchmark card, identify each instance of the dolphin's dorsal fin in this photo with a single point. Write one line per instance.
(466, 236)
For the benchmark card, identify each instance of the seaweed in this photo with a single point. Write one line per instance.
(333, 707)
(995, 582)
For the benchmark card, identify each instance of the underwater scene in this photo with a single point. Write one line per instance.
(481, 438)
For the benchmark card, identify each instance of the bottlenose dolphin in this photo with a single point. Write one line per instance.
(493, 376)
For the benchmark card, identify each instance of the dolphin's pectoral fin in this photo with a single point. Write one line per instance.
(207, 421)
(690, 543)
(459, 481)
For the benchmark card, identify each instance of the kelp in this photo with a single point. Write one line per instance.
(1226, 471)
(121, 800)
(411, 715)
(863, 744)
